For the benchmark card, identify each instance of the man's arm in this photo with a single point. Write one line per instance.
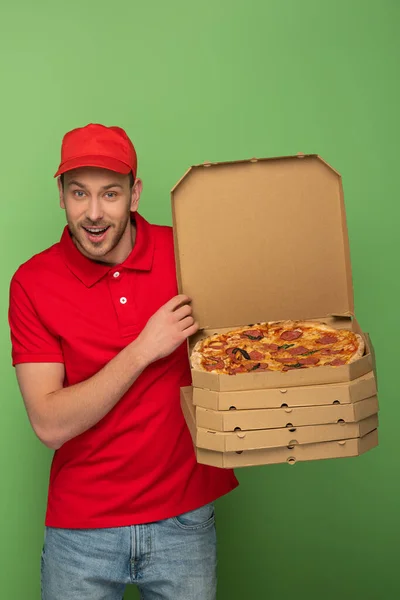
(59, 414)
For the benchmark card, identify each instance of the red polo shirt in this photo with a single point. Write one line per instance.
(137, 464)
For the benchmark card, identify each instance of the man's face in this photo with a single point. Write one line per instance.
(98, 204)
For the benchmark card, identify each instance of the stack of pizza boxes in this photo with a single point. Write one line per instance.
(266, 240)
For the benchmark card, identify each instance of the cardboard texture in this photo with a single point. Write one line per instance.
(285, 417)
(271, 438)
(268, 237)
(344, 448)
(307, 452)
(282, 438)
(286, 256)
(339, 393)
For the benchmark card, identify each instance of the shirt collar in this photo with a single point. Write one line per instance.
(90, 272)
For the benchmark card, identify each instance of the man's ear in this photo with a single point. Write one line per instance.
(136, 191)
(61, 193)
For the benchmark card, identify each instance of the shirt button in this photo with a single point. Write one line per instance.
(116, 274)
(123, 300)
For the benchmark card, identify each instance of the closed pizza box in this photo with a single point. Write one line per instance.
(290, 454)
(306, 452)
(311, 395)
(271, 438)
(264, 240)
(270, 418)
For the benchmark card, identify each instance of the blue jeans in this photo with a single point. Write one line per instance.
(174, 559)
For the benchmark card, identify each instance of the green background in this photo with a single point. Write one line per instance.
(218, 80)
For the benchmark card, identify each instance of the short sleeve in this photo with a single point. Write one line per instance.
(31, 341)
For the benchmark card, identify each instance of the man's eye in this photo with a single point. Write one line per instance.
(110, 194)
(78, 193)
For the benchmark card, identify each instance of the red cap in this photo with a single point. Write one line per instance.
(98, 146)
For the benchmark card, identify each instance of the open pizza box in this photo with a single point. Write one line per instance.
(266, 240)
(261, 447)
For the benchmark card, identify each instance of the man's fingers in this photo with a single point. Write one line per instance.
(182, 312)
(177, 301)
(186, 322)
(191, 330)
(190, 326)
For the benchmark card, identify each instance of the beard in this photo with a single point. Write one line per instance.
(98, 249)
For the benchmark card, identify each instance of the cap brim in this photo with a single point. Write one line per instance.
(101, 162)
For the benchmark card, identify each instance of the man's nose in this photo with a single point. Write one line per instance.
(94, 210)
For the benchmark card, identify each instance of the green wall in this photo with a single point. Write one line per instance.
(218, 80)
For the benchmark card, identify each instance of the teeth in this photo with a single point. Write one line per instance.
(95, 230)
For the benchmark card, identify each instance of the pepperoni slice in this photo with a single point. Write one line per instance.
(329, 351)
(292, 368)
(262, 367)
(251, 366)
(298, 350)
(215, 345)
(214, 364)
(253, 334)
(233, 355)
(255, 355)
(291, 335)
(270, 347)
(338, 362)
(309, 360)
(327, 339)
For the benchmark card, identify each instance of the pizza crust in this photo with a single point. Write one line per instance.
(196, 359)
(360, 350)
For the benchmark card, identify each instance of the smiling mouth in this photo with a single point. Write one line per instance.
(96, 231)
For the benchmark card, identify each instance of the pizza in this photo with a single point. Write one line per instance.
(277, 346)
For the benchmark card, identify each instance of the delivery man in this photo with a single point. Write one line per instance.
(98, 341)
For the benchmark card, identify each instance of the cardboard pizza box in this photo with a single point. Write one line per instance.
(271, 438)
(300, 453)
(290, 454)
(311, 395)
(263, 240)
(271, 418)
(282, 438)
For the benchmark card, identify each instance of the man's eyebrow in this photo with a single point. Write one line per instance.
(111, 185)
(105, 187)
(75, 182)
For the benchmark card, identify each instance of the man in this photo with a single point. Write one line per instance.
(98, 341)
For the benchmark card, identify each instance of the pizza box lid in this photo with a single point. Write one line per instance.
(262, 240)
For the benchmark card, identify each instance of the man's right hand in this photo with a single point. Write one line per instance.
(167, 329)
